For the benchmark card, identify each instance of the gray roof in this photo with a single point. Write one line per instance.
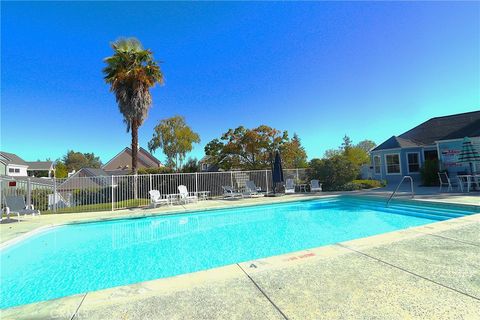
(12, 158)
(455, 126)
(40, 165)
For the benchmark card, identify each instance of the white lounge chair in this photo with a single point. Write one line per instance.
(16, 204)
(315, 186)
(186, 196)
(446, 182)
(289, 186)
(251, 189)
(156, 198)
(230, 193)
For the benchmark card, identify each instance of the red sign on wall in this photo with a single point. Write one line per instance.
(12, 183)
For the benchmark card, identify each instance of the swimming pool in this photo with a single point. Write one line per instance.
(78, 258)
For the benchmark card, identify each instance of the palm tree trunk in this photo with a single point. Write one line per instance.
(134, 147)
(135, 157)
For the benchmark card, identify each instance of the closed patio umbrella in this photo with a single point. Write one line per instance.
(277, 170)
(468, 154)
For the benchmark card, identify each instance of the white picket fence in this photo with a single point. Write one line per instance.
(96, 193)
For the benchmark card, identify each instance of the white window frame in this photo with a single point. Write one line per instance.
(399, 164)
(379, 164)
(408, 162)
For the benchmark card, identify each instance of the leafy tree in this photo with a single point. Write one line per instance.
(293, 153)
(334, 172)
(131, 71)
(61, 170)
(175, 138)
(366, 145)
(76, 160)
(346, 144)
(191, 165)
(244, 148)
(357, 156)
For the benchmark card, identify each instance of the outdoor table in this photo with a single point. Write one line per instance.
(173, 197)
(202, 195)
(469, 179)
(302, 187)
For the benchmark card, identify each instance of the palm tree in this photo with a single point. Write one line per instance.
(131, 71)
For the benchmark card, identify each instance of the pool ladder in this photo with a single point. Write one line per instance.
(398, 186)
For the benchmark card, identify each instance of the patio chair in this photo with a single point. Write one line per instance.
(16, 204)
(315, 186)
(446, 182)
(186, 196)
(251, 189)
(230, 193)
(289, 186)
(156, 198)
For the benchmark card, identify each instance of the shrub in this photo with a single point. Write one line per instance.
(334, 172)
(40, 199)
(155, 170)
(429, 172)
(361, 184)
(89, 196)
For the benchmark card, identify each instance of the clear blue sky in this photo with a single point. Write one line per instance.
(369, 70)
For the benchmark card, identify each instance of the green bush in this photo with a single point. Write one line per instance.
(361, 184)
(40, 199)
(334, 172)
(155, 170)
(88, 196)
(429, 173)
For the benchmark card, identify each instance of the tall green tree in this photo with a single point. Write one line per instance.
(293, 153)
(175, 138)
(131, 72)
(249, 149)
(77, 160)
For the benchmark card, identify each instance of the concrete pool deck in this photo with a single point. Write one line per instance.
(426, 272)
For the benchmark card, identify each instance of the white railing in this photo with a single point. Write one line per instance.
(97, 193)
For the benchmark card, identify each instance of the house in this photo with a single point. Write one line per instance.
(86, 178)
(206, 166)
(12, 165)
(122, 162)
(439, 139)
(36, 167)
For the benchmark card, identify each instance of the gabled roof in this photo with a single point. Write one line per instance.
(12, 158)
(455, 126)
(40, 165)
(145, 158)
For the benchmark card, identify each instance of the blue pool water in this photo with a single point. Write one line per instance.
(78, 258)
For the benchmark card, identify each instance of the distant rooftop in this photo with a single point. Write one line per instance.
(40, 165)
(455, 126)
(11, 158)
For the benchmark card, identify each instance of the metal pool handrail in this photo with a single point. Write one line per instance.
(398, 186)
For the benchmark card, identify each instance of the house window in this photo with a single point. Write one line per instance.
(204, 166)
(413, 160)
(376, 164)
(392, 162)
(11, 170)
(17, 170)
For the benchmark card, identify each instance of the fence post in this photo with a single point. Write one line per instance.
(55, 194)
(266, 179)
(298, 179)
(231, 178)
(150, 178)
(29, 193)
(111, 196)
(196, 182)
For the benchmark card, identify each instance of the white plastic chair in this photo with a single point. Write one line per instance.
(289, 186)
(315, 186)
(156, 198)
(185, 196)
